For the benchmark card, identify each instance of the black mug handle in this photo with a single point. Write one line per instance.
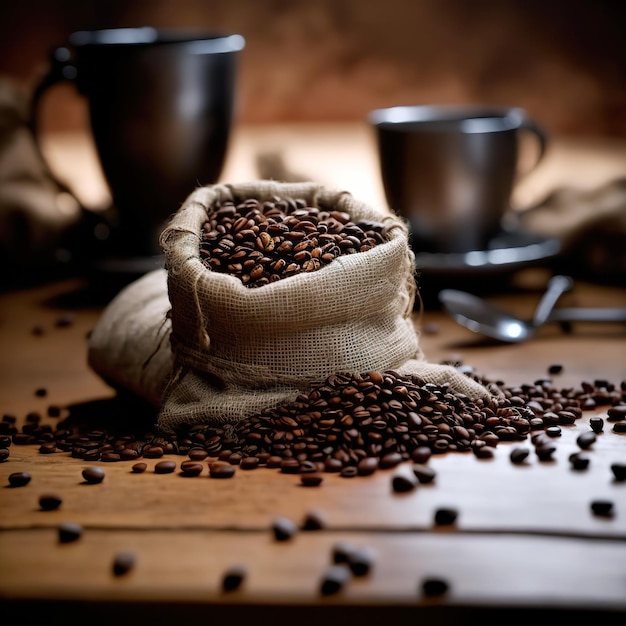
(542, 139)
(90, 238)
(60, 69)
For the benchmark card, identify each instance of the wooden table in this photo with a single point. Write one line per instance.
(525, 539)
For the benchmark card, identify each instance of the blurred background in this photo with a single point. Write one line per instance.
(334, 60)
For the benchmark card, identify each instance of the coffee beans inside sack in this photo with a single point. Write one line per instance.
(272, 288)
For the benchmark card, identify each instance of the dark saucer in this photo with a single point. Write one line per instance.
(481, 271)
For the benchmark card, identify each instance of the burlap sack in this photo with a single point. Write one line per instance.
(239, 350)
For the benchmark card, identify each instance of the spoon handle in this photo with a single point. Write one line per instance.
(592, 314)
(556, 287)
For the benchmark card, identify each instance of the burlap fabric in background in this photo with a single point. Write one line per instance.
(239, 350)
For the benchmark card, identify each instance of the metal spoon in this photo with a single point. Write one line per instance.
(487, 319)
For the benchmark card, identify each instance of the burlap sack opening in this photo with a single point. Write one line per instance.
(239, 350)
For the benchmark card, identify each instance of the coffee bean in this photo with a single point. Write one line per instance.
(518, 455)
(314, 520)
(221, 470)
(616, 413)
(165, 467)
(555, 368)
(19, 479)
(69, 532)
(290, 466)
(50, 502)
(123, 562)
(139, 468)
(603, 508)
(401, 483)
(311, 480)
(619, 471)
(191, 469)
(4, 454)
(93, 475)
(350, 471)
(390, 460)
(597, 424)
(367, 466)
(198, 454)
(433, 586)
(234, 577)
(334, 579)
(424, 473)
(619, 427)
(586, 440)
(579, 461)
(341, 552)
(553, 431)
(483, 452)
(545, 452)
(248, 463)
(445, 516)
(361, 561)
(283, 529)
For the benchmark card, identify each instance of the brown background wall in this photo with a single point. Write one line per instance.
(305, 60)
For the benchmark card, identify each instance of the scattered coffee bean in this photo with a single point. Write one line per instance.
(4, 454)
(93, 475)
(432, 586)
(424, 473)
(139, 468)
(402, 483)
(579, 461)
(190, 469)
(311, 480)
(334, 579)
(586, 440)
(518, 455)
(198, 454)
(603, 508)
(597, 424)
(234, 577)
(54, 410)
(19, 479)
(390, 460)
(123, 562)
(341, 552)
(619, 471)
(50, 502)
(65, 320)
(619, 427)
(616, 413)
(553, 431)
(283, 529)
(165, 467)
(290, 466)
(314, 520)
(555, 368)
(421, 454)
(367, 466)
(349, 471)
(445, 516)
(41, 392)
(361, 561)
(545, 452)
(69, 531)
(482, 452)
(221, 470)
(249, 462)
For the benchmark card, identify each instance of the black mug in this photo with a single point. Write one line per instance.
(161, 107)
(450, 170)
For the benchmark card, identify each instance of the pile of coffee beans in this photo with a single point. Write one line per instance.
(350, 424)
(262, 242)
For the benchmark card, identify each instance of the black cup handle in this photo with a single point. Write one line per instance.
(61, 69)
(542, 139)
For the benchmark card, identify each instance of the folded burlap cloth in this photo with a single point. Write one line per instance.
(591, 225)
(35, 212)
(207, 349)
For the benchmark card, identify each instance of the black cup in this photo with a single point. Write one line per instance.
(161, 107)
(450, 170)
